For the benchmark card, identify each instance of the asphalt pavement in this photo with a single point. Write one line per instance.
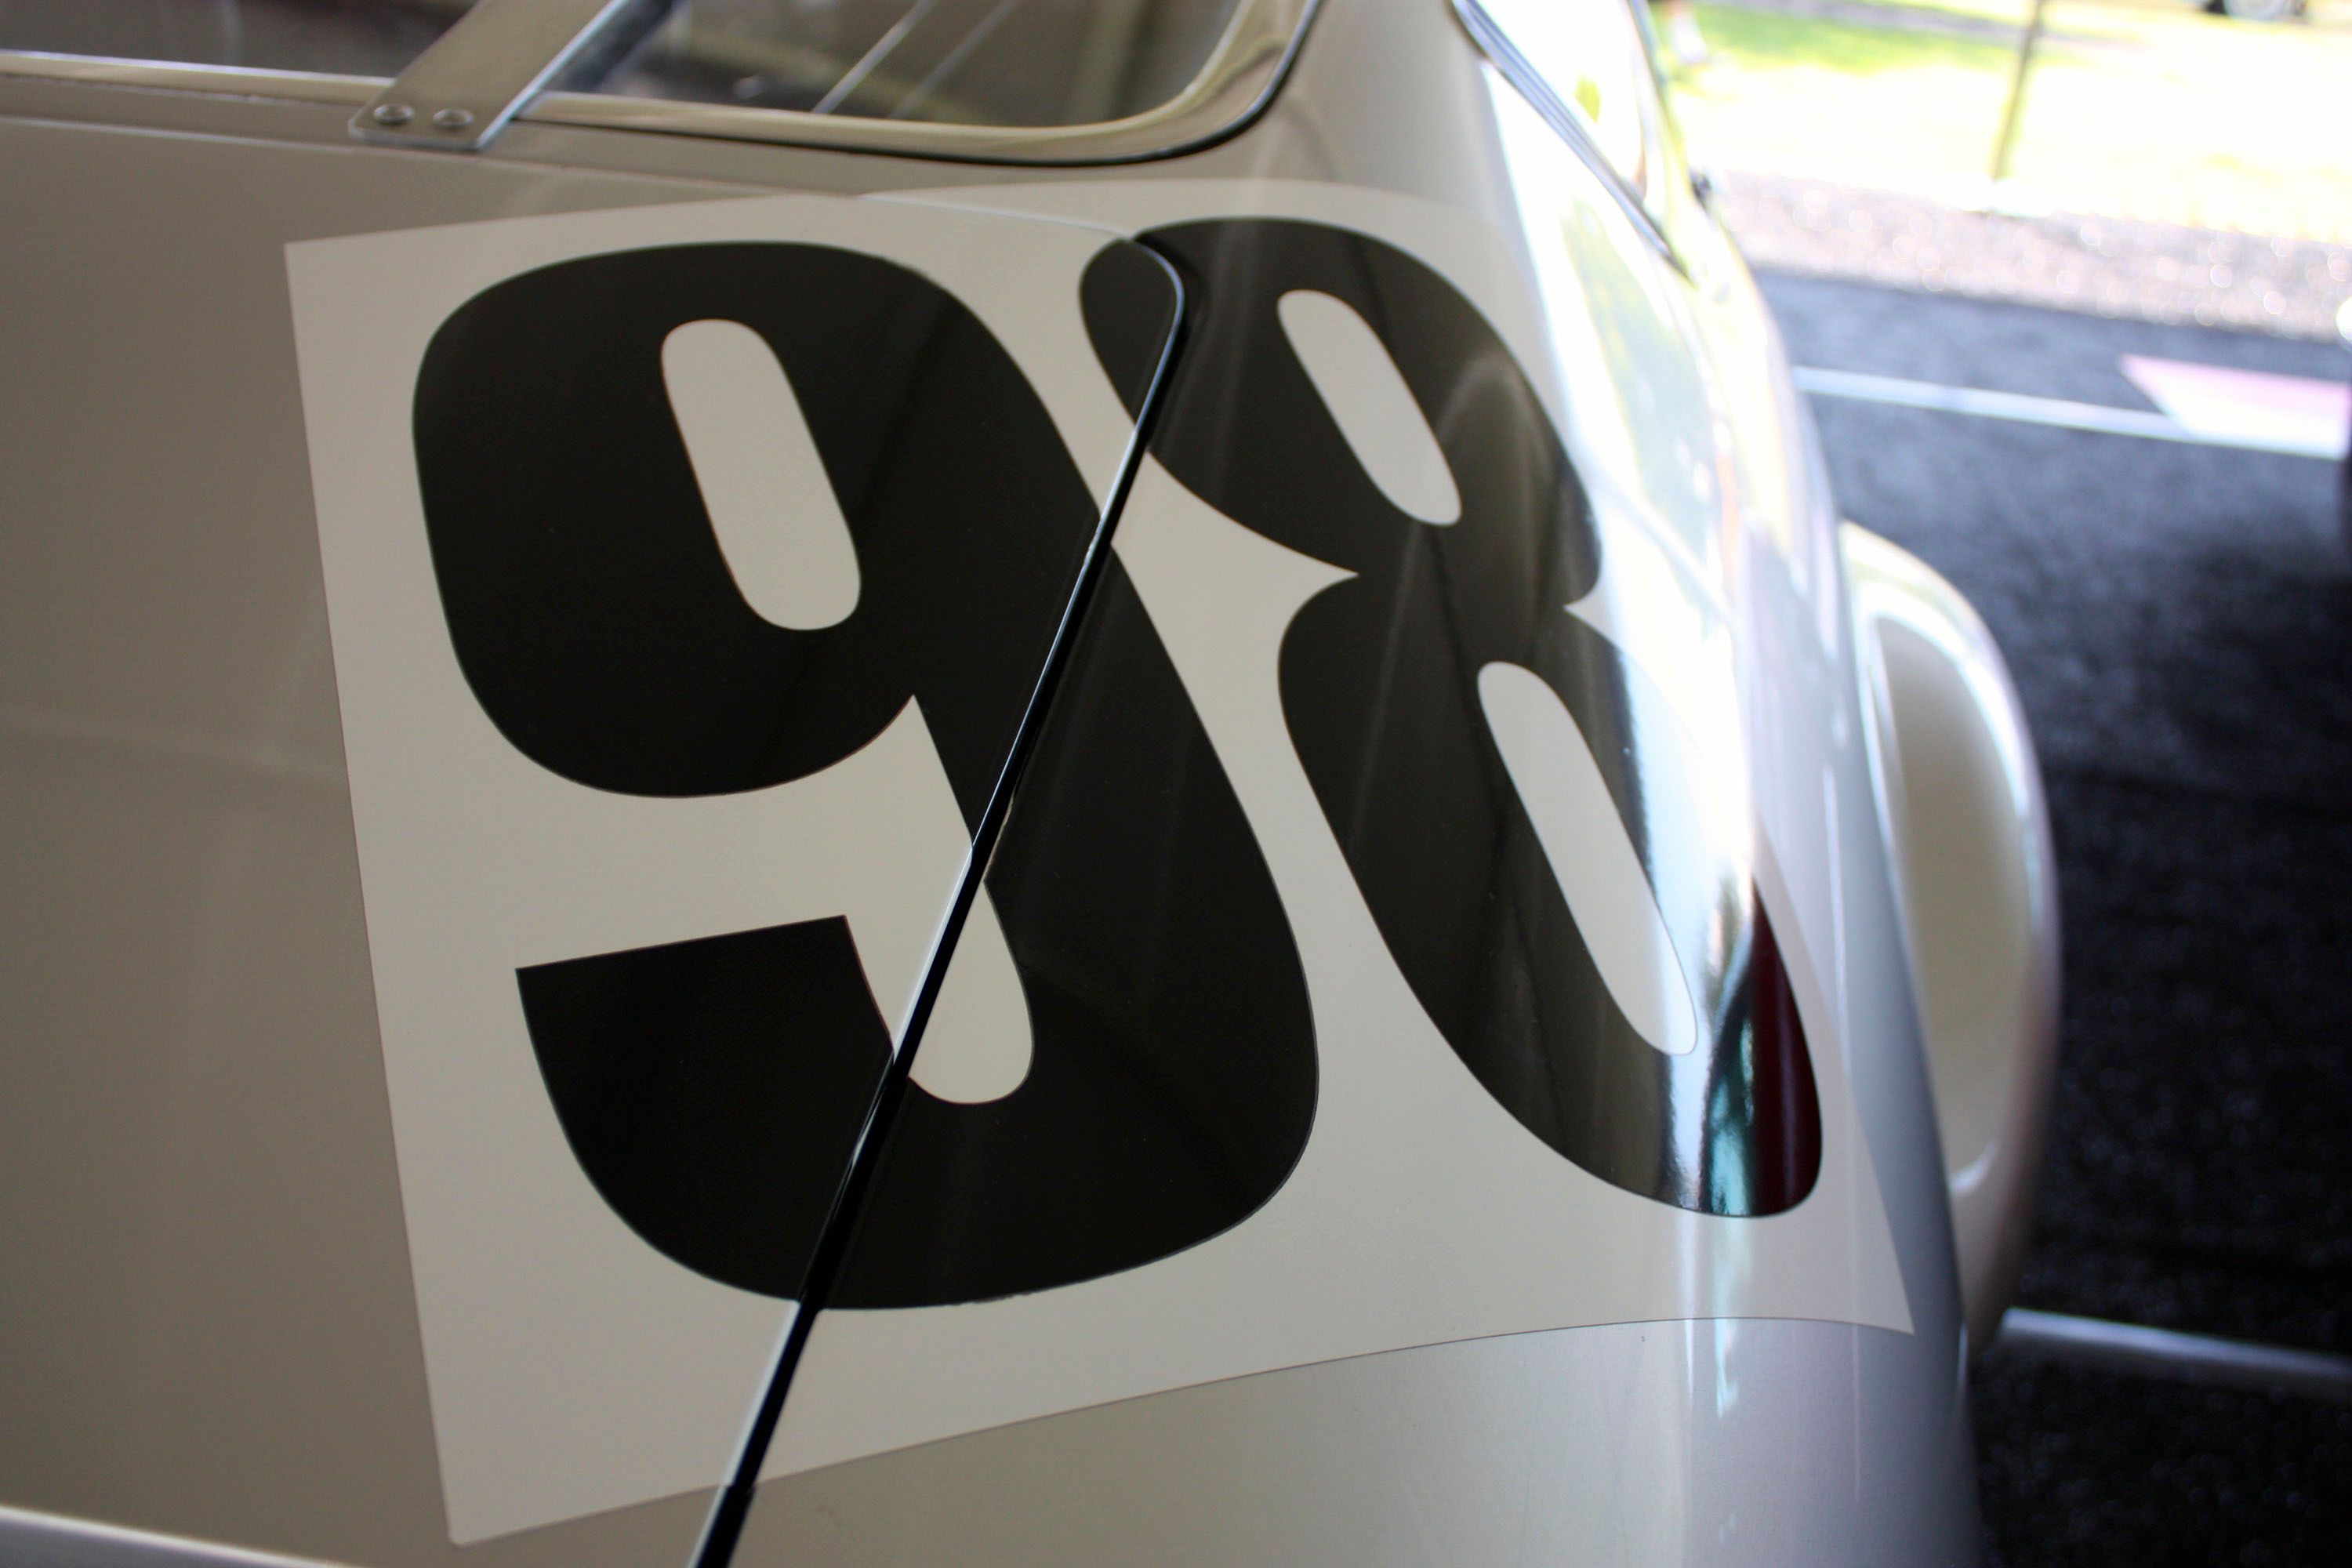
(2179, 620)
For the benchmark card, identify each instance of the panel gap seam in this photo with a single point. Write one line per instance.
(731, 1510)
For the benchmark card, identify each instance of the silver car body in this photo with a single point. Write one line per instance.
(265, 1301)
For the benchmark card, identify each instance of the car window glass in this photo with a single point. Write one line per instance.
(977, 62)
(1594, 57)
(337, 37)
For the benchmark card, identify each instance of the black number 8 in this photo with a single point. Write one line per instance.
(1379, 685)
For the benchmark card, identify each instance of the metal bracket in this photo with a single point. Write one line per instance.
(462, 91)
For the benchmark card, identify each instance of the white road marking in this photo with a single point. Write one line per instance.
(2061, 412)
(2220, 401)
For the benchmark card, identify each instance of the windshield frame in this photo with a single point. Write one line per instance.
(1232, 86)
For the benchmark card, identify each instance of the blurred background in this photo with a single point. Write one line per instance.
(2075, 346)
(2158, 116)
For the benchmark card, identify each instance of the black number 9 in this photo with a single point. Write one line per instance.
(712, 1089)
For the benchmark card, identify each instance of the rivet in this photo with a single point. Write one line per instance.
(453, 119)
(393, 114)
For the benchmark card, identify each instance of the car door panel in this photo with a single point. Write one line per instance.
(473, 1215)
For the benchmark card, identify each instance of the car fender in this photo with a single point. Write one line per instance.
(1968, 845)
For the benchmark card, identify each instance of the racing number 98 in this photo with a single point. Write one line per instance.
(712, 1089)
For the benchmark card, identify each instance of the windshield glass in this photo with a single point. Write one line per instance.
(974, 62)
(1002, 64)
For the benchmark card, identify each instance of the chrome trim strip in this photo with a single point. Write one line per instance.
(34, 1540)
(1496, 46)
(222, 81)
(1236, 84)
(2184, 1358)
(469, 82)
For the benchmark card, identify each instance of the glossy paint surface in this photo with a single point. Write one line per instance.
(1665, 380)
(1380, 681)
(1172, 1078)
(212, 1325)
(1169, 778)
(645, 870)
(604, 628)
(1971, 837)
(1423, 1208)
(172, 723)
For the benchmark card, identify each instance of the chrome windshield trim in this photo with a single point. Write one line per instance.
(1239, 80)
(223, 81)
(55, 1541)
(473, 79)
(1505, 57)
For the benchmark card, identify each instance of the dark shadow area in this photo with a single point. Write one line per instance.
(2179, 620)
(2092, 1468)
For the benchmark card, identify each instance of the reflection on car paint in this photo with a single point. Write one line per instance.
(1379, 679)
(1174, 1084)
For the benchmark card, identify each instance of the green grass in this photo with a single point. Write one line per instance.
(1769, 40)
(2147, 110)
